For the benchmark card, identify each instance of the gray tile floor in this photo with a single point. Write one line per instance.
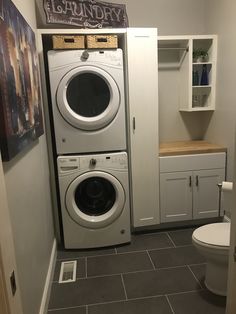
(156, 273)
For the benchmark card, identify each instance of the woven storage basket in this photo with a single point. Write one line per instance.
(68, 42)
(102, 41)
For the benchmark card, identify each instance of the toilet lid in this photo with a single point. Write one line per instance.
(217, 234)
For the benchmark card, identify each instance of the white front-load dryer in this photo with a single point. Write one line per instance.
(94, 194)
(88, 102)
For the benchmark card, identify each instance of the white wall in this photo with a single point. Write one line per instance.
(221, 20)
(28, 192)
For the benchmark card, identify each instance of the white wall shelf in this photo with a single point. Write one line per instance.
(176, 52)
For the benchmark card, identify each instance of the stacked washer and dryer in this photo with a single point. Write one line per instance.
(89, 116)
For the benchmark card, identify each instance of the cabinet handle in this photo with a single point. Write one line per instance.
(197, 181)
(134, 123)
(190, 181)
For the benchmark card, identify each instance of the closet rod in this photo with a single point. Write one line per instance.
(173, 48)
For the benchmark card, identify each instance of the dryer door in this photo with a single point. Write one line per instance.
(95, 199)
(88, 98)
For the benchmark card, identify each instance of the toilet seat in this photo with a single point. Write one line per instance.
(216, 235)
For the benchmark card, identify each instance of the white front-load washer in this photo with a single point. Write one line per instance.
(94, 194)
(88, 102)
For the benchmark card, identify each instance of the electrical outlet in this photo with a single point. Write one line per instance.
(13, 283)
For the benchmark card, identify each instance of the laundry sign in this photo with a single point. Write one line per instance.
(86, 13)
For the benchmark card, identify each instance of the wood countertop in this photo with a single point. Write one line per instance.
(189, 147)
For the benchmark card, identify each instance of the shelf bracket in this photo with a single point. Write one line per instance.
(183, 56)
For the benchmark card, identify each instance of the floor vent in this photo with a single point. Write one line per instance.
(68, 272)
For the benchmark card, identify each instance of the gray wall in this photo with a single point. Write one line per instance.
(28, 192)
(178, 17)
(221, 20)
(170, 16)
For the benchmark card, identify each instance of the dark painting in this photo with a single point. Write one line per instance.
(20, 106)
(1, 9)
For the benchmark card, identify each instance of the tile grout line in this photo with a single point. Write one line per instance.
(137, 271)
(66, 308)
(86, 267)
(85, 256)
(123, 283)
(116, 251)
(70, 258)
(172, 310)
(151, 260)
(185, 292)
(197, 264)
(133, 272)
(130, 272)
(82, 306)
(130, 299)
(126, 252)
(87, 309)
(194, 276)
(170, 239)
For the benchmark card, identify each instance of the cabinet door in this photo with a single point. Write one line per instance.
(176, 196)
(143, 124)
(206, 193)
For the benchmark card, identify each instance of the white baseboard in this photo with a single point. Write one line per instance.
(47, 286)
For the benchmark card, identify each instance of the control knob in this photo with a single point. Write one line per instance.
(93, 162)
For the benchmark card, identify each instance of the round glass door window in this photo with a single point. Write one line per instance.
(88, 98)
(88, 95)
(95, 199)
(95, 196)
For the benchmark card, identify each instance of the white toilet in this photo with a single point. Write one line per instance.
(213, 241)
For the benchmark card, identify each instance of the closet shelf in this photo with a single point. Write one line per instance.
(201, 86)
(201, 63)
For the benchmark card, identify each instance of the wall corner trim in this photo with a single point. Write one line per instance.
(48, 281)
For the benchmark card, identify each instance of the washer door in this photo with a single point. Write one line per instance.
(95, 199)
(88, 98)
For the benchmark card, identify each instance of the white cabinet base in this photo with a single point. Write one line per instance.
(186, 192)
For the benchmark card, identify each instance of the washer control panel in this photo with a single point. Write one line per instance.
(104, 161)
(70, 164)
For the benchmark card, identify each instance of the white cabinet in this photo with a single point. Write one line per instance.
(142, 79)
(196, 77)
(188, 193)
(175, 196)
(206, 192)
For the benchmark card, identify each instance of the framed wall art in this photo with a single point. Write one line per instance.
(1, 9)
(20, 105)
(85, 13)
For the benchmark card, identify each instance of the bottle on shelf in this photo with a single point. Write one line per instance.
(195, 78)
(204, 76)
